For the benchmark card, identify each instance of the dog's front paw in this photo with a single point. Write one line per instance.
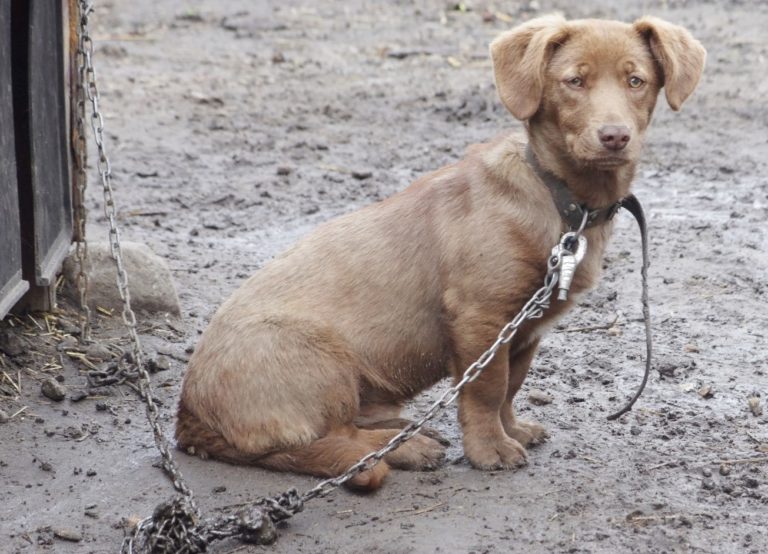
(501, 453)
(527, 433)
(419, 453)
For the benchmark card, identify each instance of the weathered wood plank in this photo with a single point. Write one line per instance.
(12, 286)
(49, 141)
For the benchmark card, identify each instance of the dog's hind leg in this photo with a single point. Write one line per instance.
(334, 453)
(419, 453)
(387, 416)
(330, 456)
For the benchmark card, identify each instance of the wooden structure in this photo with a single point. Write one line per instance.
(36, 170)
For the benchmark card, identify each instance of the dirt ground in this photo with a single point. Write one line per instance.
(236, 127)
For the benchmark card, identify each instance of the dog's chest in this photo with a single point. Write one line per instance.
(586, 277)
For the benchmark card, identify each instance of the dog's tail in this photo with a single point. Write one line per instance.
(327, 456)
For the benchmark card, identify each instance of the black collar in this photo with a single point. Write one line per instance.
(569, 209)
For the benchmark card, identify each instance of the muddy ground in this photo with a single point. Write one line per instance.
(235, 127)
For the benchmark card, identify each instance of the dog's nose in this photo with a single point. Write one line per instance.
(614, 137)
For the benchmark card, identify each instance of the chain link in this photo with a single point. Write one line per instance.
(177, 526)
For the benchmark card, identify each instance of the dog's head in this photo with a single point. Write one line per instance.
(591, 85)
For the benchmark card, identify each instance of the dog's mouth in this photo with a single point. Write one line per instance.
(607, 162)
(591, 157)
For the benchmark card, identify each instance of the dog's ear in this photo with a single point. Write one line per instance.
(680, 57)
(520, 58)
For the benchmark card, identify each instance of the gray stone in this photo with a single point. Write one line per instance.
(149, 279)
(539, 398)
(98, 352)
(69, 327)
(12, 344)
(161, 363)
(52, 389)
(4, 417)
(66, 534)
(78, 395)
(68, 343)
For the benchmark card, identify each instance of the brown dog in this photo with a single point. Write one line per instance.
(306, 366)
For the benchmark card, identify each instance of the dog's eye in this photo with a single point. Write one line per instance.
(635, 81)
(577, 82)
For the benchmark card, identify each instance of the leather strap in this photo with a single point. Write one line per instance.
(569, 209)
(633, 206)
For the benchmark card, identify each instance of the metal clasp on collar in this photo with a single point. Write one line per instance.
(566, 257)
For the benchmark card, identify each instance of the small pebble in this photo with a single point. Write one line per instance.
(78, 395)
(12, 345)
(52, 389)
(68, 535)
(219, 488)
(708, 484)
(360, 175)
(635, 430)
(283, 170)
(98, 352)
(539, 398)
(160, 363)
(667, 369)
(69, 327)
(706, 472)
(67, 343)
(751, 482)
(4, 417)
(101, 406)
(725, 469)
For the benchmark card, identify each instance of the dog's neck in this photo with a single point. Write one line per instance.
(593, 187)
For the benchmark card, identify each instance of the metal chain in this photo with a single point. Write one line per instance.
(91, 92)
(177, 526)
(81, 212)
